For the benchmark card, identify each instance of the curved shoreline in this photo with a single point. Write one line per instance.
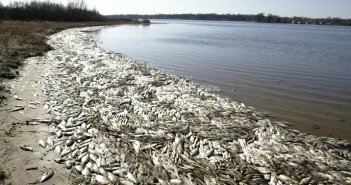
(120, 120)
(313, 98)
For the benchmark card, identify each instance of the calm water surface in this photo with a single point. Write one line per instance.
(300, 73)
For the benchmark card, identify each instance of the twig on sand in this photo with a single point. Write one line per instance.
(34, 131)
(31, 168)
(17, 109)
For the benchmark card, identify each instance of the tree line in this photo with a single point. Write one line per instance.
(261, 17)
(75, 10)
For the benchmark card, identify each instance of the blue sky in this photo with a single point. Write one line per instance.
(308, 8)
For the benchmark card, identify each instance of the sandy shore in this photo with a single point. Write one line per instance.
(23, 167)
(120, 121)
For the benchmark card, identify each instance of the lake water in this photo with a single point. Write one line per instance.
(300, 73)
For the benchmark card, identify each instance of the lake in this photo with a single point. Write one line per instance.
(299, 73)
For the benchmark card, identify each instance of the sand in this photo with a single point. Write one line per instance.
(14, 161)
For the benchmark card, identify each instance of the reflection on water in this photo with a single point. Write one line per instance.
(301, 73)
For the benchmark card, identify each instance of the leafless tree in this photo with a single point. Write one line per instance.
(75, 10)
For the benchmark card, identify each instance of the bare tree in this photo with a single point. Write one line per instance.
(1, 11)
(75, 10)
(77, 4)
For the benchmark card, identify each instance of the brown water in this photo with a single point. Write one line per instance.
(300, 73)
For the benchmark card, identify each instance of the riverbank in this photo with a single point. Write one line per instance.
(25, 103)
(115, 119)
(23, 39)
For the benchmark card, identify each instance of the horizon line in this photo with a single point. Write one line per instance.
(265, 14)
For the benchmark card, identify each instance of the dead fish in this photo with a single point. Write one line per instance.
(102, 179)
(306, 180)
(284, 178)
(32, 107)
(186, 181)
(164, 149)
(178, 144)
(209, 153)
(58, 149)
(112, 177)
(162, 182)
(59, 134)
(65, 152)
(86, 172)
(102, 171)
(84, 149)
(69, 165)
(26, 148)
(194, 152)
(149, 146)
(263, 170)
(85, 159)
(208, 180)
(175, 181)
(132, 178)
(48, 121)
(46, 176)
(69, 142)
(42, 143)
(95, 168)
(59, 160)
(78, 168)
(281, 124)
(137, 146)
(126, 182)
(89, 165)
(17, 98)
(34, 103)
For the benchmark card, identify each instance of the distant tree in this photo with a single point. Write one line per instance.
(272, 19)
(75, 10)
(239, 17)
(259, 17)
(77, 4)
(2, 11)
(145, 20)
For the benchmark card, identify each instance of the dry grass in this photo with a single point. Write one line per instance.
(22, 39)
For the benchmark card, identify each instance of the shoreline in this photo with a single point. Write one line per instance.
(120, 120)
(20, 166)
(314, 101)
(24, 39)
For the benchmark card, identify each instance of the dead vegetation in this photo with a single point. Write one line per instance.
(22, 39)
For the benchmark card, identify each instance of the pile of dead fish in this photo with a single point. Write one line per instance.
(122, 122)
